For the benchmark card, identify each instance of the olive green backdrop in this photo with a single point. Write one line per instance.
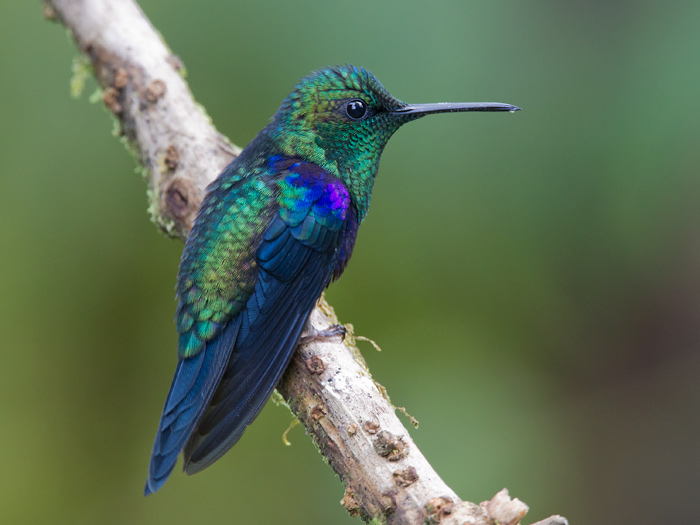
(533, 279)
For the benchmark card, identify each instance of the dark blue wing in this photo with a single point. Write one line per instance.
(295, 264)
(297, 257)
(306, 242)
(289, 283)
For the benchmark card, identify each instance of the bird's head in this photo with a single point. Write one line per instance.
(340, 118)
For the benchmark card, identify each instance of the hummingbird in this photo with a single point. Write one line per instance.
(275, 228)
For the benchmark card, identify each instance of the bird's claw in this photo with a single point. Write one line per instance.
(311, 334)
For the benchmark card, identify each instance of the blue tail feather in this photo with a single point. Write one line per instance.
(195, 380)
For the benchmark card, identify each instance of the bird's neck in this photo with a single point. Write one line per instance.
(356, 167)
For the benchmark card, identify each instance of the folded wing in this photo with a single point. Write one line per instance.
(222, 382)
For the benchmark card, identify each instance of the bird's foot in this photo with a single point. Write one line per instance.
(310, 334)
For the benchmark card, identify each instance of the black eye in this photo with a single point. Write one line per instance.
(356, 109)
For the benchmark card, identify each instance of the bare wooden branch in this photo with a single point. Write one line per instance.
(327, 385)
(143, 86)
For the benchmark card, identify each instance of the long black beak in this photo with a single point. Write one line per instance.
(448, 107)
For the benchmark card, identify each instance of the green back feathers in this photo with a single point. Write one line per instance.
(218, 269)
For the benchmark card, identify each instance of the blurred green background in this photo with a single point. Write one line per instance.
(533, 279)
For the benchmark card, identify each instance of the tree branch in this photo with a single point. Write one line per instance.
(327, 385)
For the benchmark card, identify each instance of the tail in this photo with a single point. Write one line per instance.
(195, 381)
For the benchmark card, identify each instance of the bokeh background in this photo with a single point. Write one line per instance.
(533, 279)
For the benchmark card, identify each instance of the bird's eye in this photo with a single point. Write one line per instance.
(356, 109)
